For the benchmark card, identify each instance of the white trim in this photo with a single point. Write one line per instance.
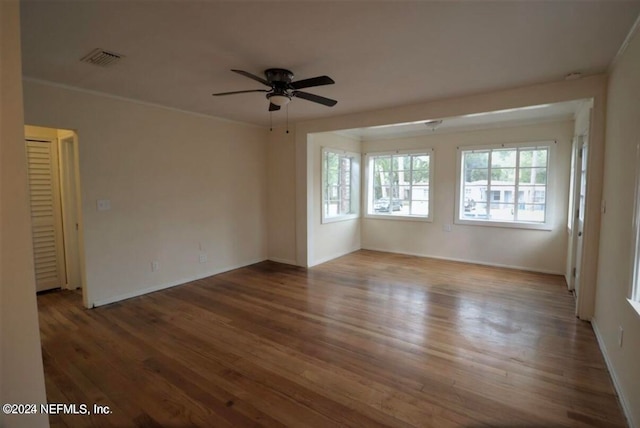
(135, 101)
(366, 182)
(635, 305)
(625, 44)
(547, 225)
(626, 407)
(337, 218)
(183, 281)
(283, 261)
(474, 262)
(398, 217)
(354, 177)
(401, 152)
(509, 225)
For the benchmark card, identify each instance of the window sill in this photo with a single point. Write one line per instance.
(635, 305)
(335, 219)
(398, 217)
(508, 225)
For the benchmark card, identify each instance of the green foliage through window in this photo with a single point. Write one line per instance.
(340, 184)
(399, 184)
(506, 184)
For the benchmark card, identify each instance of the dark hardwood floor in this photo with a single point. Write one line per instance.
(370, 339)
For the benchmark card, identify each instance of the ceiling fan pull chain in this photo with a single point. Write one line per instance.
(270, 121)
(287, 118)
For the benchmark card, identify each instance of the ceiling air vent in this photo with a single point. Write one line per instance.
(101, 58)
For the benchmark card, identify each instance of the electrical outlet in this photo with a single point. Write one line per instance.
(203, 257)
(155, 265)
(446, 227)
(620, 335)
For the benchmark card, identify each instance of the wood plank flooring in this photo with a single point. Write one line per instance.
(367, 340)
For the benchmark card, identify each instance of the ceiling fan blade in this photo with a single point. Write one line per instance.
(252, 76)
(314, 81)
(273, 107)
(315, 98)
(239, 92)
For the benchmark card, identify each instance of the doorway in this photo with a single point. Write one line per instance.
(54, 192)
(580, 155)
(577, 202)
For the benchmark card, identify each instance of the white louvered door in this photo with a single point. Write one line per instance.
(46, 219)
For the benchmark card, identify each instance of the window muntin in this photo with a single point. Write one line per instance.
(506, 184)
(340, 185)
(399, 184)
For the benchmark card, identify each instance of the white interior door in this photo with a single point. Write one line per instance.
(572, 212)
(46, 218)
(579, 223)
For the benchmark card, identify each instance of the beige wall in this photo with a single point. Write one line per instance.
(281, 196)
(179, 184)
(614, 268)
(21, 374)
(539, 250)
(332, 239)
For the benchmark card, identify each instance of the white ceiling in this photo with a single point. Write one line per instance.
(381, 54)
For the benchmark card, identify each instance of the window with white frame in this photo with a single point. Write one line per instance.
(505, 184)
(399, 184)
(340, 185)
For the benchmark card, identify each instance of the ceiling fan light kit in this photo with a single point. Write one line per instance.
(278, 99)
(283, 88)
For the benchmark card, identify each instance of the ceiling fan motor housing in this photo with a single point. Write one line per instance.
(280, 80)
(279, 76)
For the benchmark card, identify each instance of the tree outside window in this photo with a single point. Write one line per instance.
(505, 184)
(340, 184)
(399, 184)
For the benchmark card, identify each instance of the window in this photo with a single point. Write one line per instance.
(399, 184)
(503, 185)
(340, 185)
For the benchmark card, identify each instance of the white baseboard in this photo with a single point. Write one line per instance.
(476, 262)
(626, 407)
(284, 261)
(334, 256)
(182, 281)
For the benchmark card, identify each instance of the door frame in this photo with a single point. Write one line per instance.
(71, 207)
(579, 161)
(580, 251)
(70, 168)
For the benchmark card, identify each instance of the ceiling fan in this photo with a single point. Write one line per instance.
(283, 89)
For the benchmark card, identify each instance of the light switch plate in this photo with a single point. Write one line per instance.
(103, 204)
